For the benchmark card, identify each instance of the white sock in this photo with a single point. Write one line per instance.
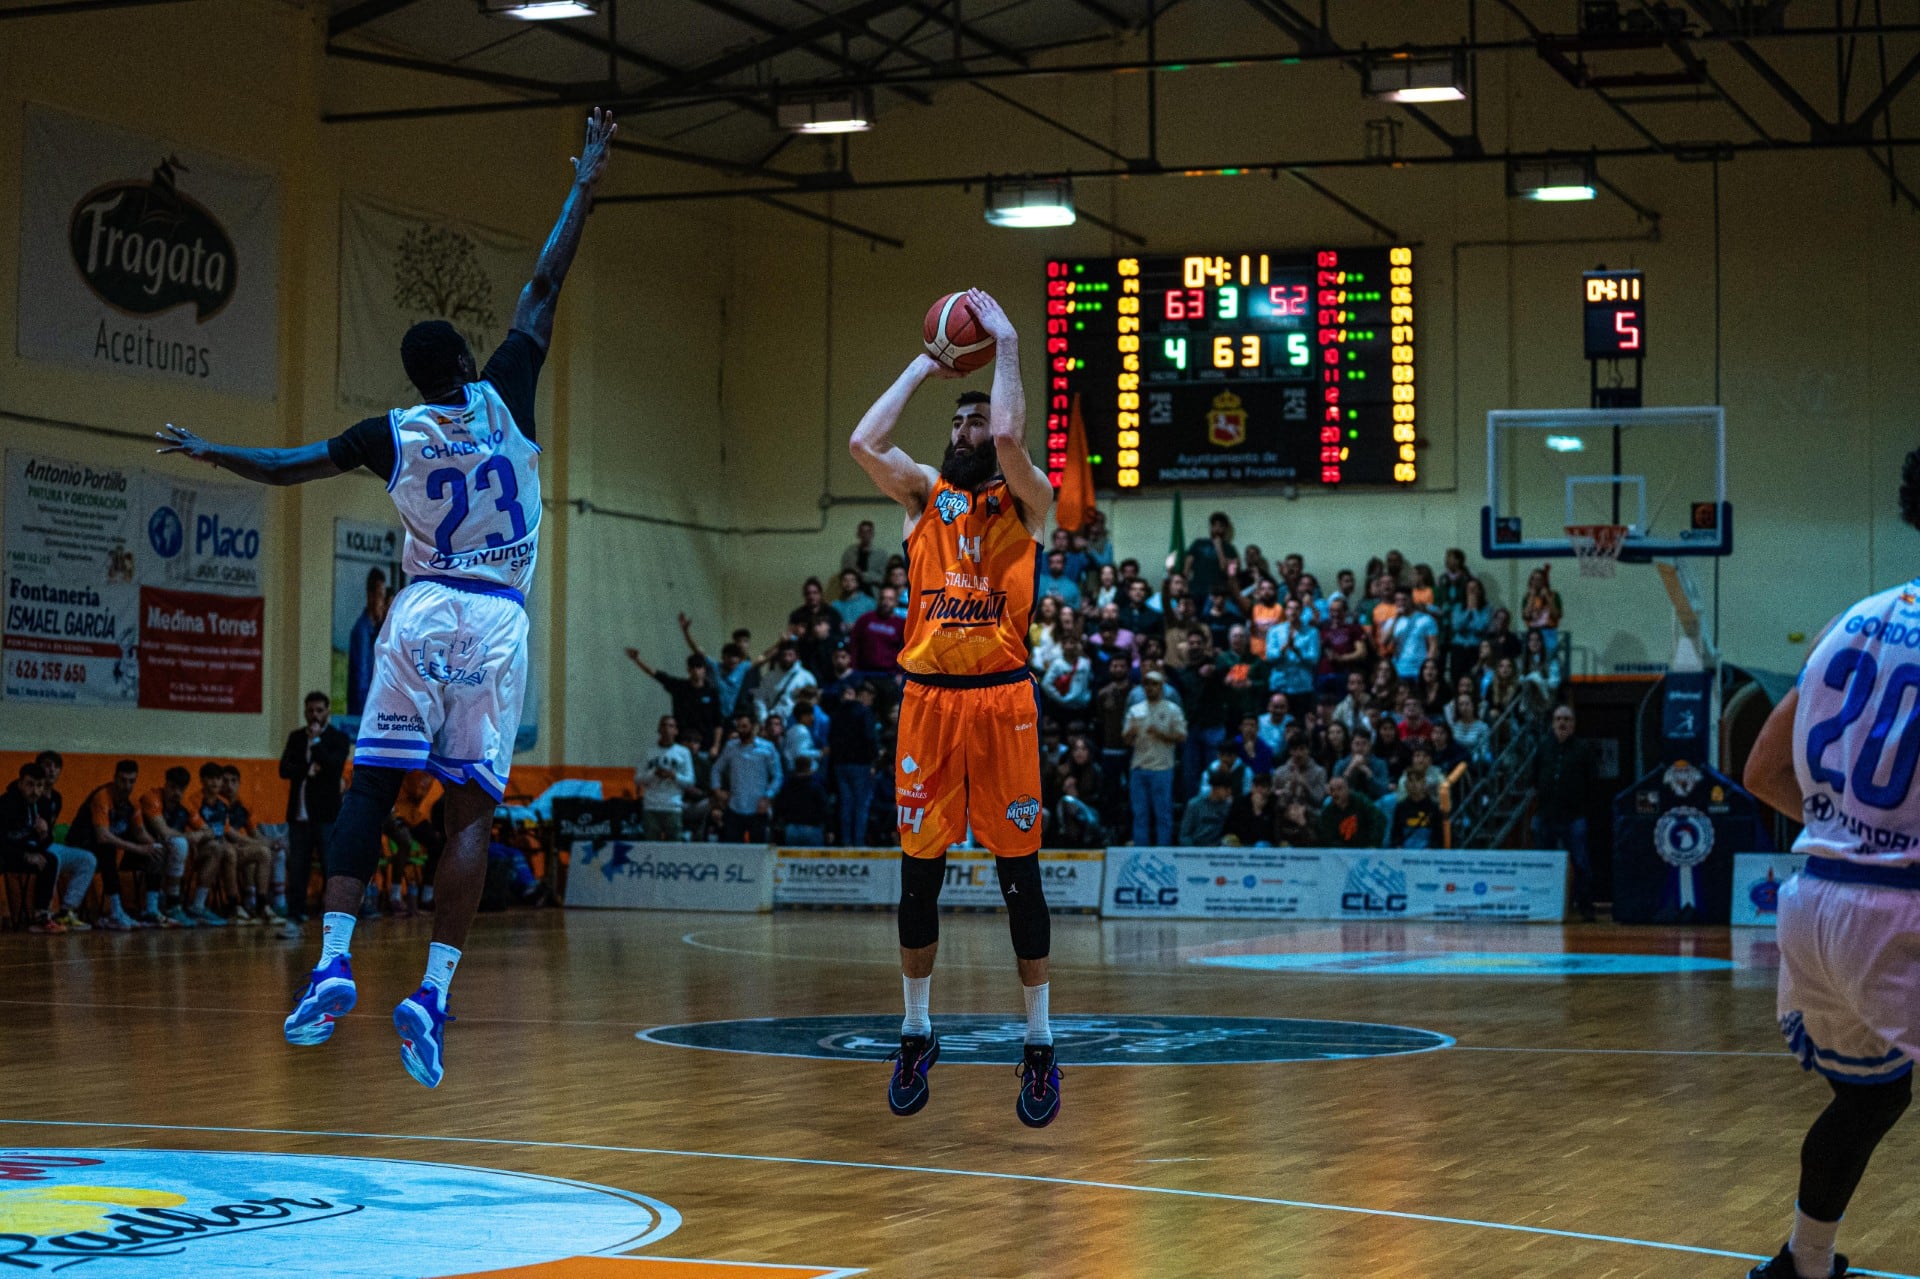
(1039, 1030)
(1812, 1245)
(336, 936)
(919, 991)
(442, 959)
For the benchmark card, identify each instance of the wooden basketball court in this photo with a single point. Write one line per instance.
(1591, 1125)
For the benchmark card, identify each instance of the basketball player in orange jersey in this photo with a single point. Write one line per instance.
(969, 747)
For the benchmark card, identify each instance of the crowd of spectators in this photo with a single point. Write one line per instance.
(1240, 700)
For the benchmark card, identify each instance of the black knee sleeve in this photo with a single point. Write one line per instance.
(1027, 917)
(920, 880)
(1835, 1154)
(355, 849)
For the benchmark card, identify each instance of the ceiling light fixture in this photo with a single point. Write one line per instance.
(1030, 202)
(1552, 180)
(1405, 77)
(850, 112)
(540, 10)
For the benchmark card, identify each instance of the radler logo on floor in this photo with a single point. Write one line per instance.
(177, 1213)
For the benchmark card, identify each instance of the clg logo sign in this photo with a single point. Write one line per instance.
(171, 1214)
(1148, 881)
(1374, 888)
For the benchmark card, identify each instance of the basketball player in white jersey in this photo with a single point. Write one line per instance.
(1840, 753)
(451, 662)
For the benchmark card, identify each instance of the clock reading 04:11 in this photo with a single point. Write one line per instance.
(1236, 368)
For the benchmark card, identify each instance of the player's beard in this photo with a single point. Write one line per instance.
(968, 470)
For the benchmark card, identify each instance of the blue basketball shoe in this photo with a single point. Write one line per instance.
(422, 1026)
(1039, 1099)
(907, 1091)
(330, 995)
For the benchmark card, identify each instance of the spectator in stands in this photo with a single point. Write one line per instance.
(1221, 612)
(1098, 546)
(1300, 778)
(1564, 784)
(1448, 754)
(1107, 642)
(696, 700)
(1415, 727)
(1172, 593)
(27, 848)
(360, 641)
(1277, 723)
(178, 829)
(1500, 634)
(1077, 824)
(1205, 820)
(1245, 680)
(1212, 558)
(313, 762)
(1082, 768)
(1250, 749)
(854, 602)
(816, 647)
(1416, 817)
(1467, 620)
(1430, 688)
(1201, 682)
(1136, 614)
(1539, 675)
(1422, 767)
(1451, 589)
(800, 810)
(1253, 821)
(897, 579)
(1106, 589)
(1066, 687)
(1422, 591)
(106, 826)
(1352, 710)
(1154, 730)
(1066, 623)
(807, 731)
(1361, 770)
(813, 607)
(852, 745)
(1348, 819)
(1541, 608)
(1296, 825)
(209, 802)
(1410, 636)
(1109, 713)
(1385, 685)
(1346, 647)
(863, 559)
(663, 780)
(1313, 606)
(785, 676)
(1343, 588)
(745, 779)
(1502, 690)
(1076, 560)
(1334, 746)
(1293, 653)
(1054, 580)
(1395, 566)
(1046, 619)
(1264, 612)
(260, 858)
(878, 638)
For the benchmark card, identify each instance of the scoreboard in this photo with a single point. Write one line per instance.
(1616, 315)
(1262, 367)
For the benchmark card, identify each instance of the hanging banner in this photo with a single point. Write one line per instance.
(147, 259)
(398, 267)
(129, 588)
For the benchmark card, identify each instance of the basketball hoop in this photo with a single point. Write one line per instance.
(1597, 547)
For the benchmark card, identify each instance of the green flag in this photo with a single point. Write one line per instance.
(1177, 537)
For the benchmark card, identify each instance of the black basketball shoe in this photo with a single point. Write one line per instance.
(1039, 1099)
(907, 1091)
(1781, 1267)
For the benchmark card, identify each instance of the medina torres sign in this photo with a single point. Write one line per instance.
(142, 257)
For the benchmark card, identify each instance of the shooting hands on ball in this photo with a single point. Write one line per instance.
(991, 316)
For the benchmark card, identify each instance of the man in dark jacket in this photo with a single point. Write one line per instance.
(1563, 786)
(851, 745)
(314, 758)
(1347, 820)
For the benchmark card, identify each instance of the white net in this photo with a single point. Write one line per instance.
(1597, 547)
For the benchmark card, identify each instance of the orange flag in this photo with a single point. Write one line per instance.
(1076, 486)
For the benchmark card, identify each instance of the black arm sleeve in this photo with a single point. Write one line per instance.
(367, 443)
(514, 371)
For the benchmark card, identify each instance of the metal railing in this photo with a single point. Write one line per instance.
(1498, 798)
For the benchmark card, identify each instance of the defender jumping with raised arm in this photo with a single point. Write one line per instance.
(451, 662)
(969, 750)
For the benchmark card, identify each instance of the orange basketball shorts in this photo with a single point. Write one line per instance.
(969, 754)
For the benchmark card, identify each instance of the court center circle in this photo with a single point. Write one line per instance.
(1090, 1040)
(176, 1214)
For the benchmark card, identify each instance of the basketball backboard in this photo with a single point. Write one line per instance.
(1660, 472)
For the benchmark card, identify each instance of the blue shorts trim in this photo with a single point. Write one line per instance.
(383, 759)
(396, 745)
(473, 586)
(1837, 1066)
(460, 774)
(1840, 871)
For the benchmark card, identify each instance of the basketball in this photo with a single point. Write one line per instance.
(954, 337)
